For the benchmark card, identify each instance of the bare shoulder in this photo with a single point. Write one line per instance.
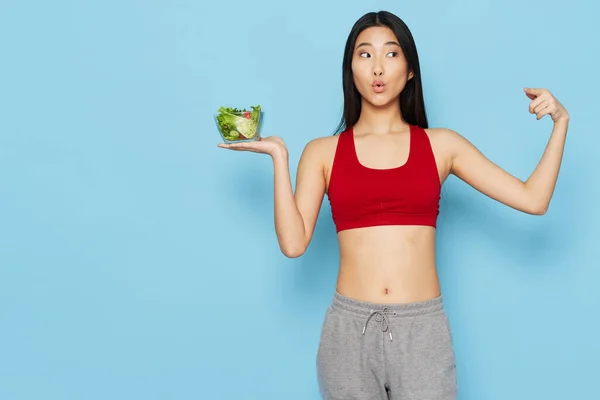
(321, 149)
(446, 141)
(442, 135)
(318, 155)
(322, 144)
(442, 143)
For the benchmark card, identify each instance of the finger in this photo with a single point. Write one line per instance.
(543, 112)
(230, 146)
(240, 146)
(247, 146)
(530, 94)
(535, 104)
(541, 107)
(533, 92)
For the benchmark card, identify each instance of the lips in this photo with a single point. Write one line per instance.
(378, 86)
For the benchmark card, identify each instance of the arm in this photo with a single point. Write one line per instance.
(533, 195)
(296, 214)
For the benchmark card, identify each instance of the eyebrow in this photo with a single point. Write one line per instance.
(387, 43)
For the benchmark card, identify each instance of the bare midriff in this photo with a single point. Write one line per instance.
(388, 264)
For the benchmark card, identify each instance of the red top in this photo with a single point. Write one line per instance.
(407, 195)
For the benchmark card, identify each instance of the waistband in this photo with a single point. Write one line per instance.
(365, 308)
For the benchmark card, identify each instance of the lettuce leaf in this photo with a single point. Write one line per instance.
(238, 124)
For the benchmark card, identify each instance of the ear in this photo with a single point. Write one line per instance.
(410, 75)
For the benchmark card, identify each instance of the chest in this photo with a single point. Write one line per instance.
(400, 187)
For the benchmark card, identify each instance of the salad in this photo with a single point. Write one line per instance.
(236, 124)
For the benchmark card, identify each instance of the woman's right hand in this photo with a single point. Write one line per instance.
(271, 145)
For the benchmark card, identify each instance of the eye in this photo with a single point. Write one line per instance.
(394, 53)
(363, 54)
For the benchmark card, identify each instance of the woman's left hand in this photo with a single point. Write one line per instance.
(543, 102)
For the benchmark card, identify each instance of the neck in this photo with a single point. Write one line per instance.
(380, 120)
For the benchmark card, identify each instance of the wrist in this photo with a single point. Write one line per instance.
(562, 121)
(281, 154)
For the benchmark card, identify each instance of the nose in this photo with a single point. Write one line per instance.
(377, 68)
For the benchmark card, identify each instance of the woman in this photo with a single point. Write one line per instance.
(386, 333)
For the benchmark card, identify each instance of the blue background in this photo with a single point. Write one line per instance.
(139, 261)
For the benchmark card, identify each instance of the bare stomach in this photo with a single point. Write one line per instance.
(388, 264)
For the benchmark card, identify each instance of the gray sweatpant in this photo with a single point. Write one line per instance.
(371, 351)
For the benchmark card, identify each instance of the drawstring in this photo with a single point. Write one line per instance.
(380, 317)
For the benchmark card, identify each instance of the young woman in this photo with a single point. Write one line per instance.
(386, 333)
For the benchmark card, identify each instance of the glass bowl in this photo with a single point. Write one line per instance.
(237, 126)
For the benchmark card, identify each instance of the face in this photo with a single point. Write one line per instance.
(379, 67)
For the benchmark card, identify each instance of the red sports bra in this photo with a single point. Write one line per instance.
(407, 195)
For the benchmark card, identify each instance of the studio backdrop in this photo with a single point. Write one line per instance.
(139, 261)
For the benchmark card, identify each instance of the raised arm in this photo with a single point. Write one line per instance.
(533, 195)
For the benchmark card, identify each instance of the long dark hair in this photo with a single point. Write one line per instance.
(411, 100)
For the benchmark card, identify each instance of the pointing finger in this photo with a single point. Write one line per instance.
(533, 91)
